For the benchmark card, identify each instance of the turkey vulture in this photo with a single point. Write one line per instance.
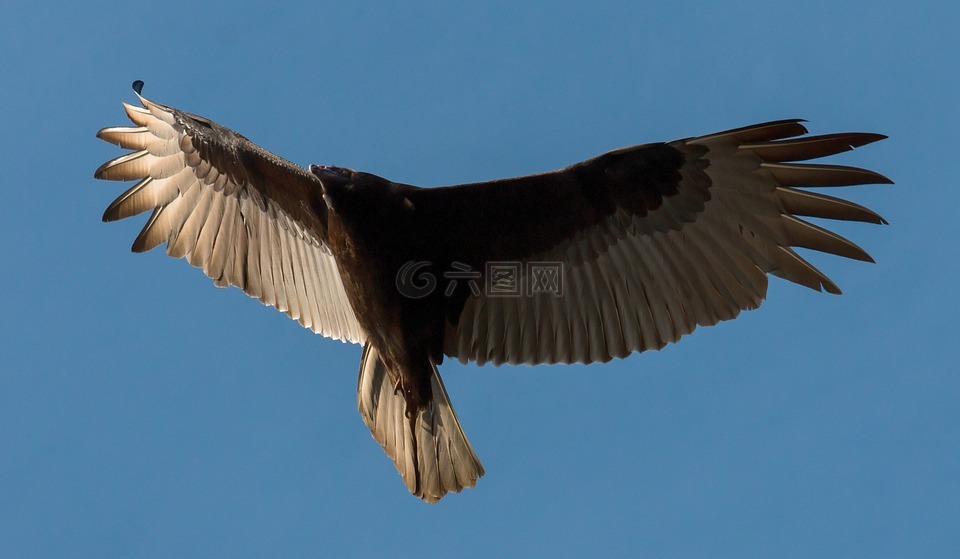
(621, 253)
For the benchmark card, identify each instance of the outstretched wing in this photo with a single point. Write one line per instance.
(633, 249)
(245, 216)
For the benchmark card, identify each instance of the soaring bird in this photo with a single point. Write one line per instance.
(621, 253)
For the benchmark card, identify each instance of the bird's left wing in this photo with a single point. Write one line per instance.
(635, 248)
(240, 213)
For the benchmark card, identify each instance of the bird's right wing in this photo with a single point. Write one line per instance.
(245, 216)
(644, 243)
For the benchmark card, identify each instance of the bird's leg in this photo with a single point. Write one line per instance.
(411, 406)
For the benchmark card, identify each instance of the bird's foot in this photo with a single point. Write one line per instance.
(411, 405)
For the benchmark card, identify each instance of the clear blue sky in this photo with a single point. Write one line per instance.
(144, 413)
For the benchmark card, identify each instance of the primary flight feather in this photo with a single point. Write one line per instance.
(624, 252)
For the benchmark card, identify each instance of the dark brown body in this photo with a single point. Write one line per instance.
(372, 229)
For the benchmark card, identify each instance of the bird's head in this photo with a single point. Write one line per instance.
(336, 182)
(334, 177)
(354, 195)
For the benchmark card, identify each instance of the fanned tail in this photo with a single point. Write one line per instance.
(429, 449)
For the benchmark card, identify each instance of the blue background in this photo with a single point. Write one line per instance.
(144, 413)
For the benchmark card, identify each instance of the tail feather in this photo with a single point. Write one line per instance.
(429, 449)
